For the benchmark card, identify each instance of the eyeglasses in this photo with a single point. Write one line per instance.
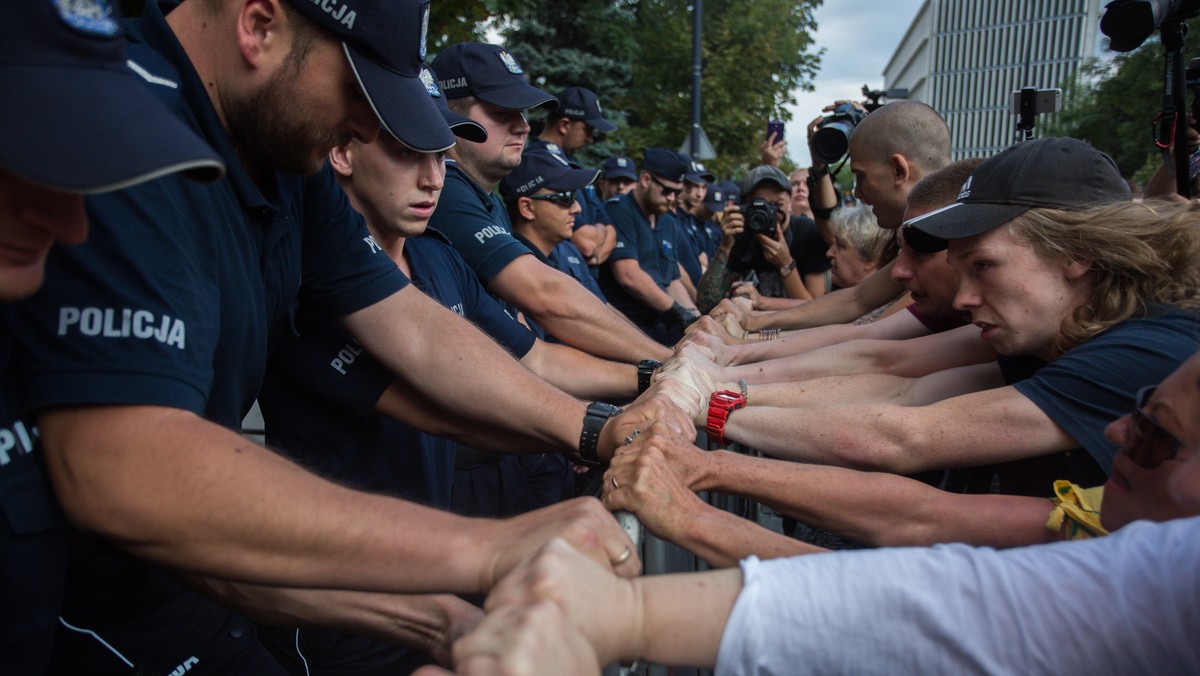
(667, 191)
(564, 199)
(1147, 443)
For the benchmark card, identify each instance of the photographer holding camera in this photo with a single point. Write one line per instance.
(762, 241)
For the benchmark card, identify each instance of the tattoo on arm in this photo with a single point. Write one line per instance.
(714, 282)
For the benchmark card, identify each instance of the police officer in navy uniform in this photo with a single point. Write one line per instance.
(693, 236)
(543, 220)
(641, 278)
(147, 346)
(569, 128)
(67, 133)
(487, 84)
(325, 398)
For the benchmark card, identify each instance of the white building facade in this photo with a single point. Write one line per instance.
(966, 57)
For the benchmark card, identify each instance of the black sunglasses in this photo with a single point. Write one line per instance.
(667, 191)
(563, 199)
(1148, 444)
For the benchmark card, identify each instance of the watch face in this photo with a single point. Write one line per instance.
(727, 397)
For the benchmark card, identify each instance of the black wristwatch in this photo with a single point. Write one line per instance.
(597, 414)
(646, 369)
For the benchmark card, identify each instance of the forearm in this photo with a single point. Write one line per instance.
(572, 314)
(714, 282)
(606, 246)
(814, 283)
(634, 280)
(863, 388)
(881, 509)
(689, 290)
(588, 238)
(798, 342)
(721, 539)
(828, 436)
(581, 374)
(186, 493)
(678, 292)
(474, 379)
(425, 622)
(838, 307)
(793, 285)
(683, 617)
(403, 403)
(769, 304)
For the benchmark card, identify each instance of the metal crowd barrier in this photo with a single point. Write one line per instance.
(660, 557)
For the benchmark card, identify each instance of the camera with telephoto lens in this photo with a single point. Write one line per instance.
(832, 139)
(760, 217)
(1128, 23)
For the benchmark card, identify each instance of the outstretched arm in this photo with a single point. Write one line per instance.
(180, 491)
(910, 358)
(973, 429)
(569, 311)
(838, 307)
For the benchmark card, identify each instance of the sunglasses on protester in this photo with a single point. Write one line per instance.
(667, 191)
(563, 199)
(1148, 444)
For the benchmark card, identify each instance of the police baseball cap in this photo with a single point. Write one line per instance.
(489, 73)
(619, 166)
(721, 193)
(1056, 173)
(540, 169)
(695, 172)
(463, 127)
(385, 43)
(580, 103)
(75, 116)
(765, 173)
(664, 163)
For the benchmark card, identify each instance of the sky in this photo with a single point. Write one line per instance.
(859, 36)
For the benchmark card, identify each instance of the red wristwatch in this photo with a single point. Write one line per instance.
(719, 406)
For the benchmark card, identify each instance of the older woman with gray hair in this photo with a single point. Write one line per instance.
(858, 245)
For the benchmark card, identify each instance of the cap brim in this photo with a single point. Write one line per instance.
(602, 125)
(517, 97)
(403, 105)
(965, 219)
(699, 179)
(573, 180)
(88, 130)
(463, 127)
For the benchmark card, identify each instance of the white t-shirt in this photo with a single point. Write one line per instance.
(1128, 603)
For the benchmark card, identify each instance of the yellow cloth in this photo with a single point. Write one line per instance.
(1079, 508)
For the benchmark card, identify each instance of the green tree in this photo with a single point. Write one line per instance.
(755, 53)
(1112, 102)
(636, 55)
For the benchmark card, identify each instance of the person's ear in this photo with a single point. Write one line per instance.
(340, 158)
(525, 208)
(261, 33)
(901, 169)
(563, 125)
(1075, 270)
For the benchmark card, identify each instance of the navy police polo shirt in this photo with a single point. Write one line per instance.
(319, 397)
(654, 249)
(567, 258)
(476, 224)
(181, 287)
(33, 538)
(176, 297)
